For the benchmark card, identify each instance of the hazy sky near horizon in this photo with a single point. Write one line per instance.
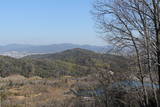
(47, 22)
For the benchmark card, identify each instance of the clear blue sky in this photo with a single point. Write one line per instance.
(47, 22)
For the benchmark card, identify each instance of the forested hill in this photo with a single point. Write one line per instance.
(86, 58)
(75, 62)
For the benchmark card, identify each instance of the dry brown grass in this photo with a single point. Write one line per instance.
(14, 78)
(36, 91)
(35, 78)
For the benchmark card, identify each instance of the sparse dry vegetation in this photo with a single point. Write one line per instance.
(35, 91)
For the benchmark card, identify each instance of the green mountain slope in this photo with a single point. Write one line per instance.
(74, 62)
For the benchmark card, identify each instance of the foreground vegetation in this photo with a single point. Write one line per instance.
(18, 91)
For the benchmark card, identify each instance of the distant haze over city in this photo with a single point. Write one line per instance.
(21, 50)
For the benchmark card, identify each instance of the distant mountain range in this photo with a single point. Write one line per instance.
(21, 50)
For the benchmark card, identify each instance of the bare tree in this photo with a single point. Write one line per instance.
(133, 25)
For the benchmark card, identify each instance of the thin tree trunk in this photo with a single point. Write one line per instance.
(158, 55)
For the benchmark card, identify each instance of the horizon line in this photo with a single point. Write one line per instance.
(51, 44)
